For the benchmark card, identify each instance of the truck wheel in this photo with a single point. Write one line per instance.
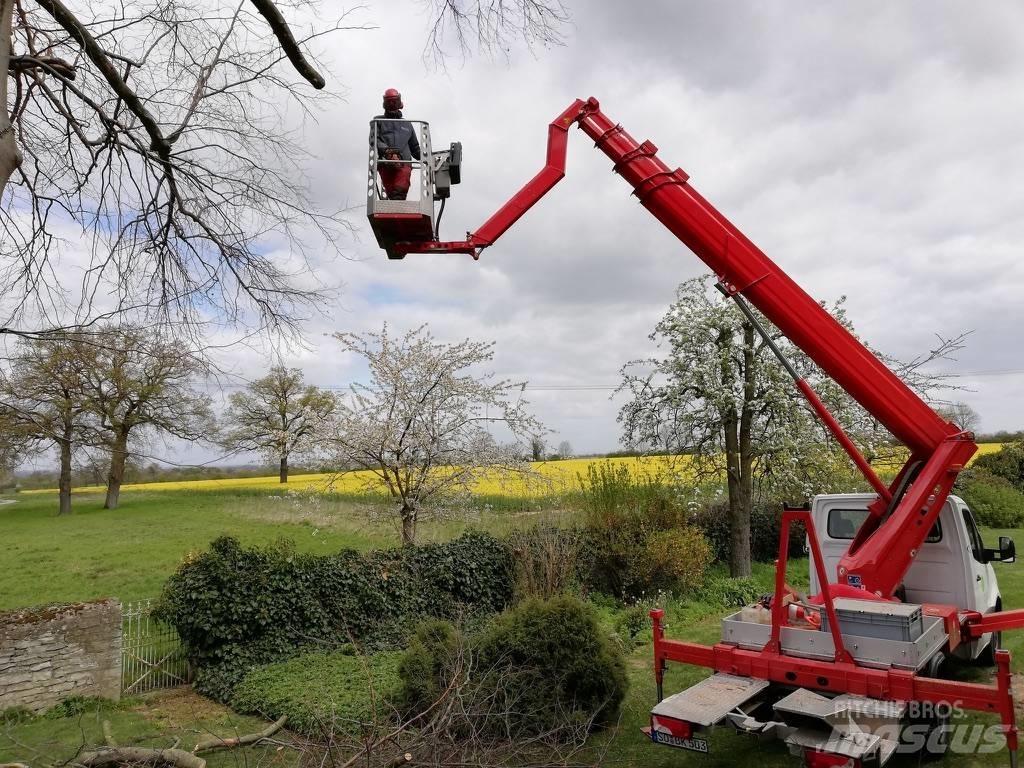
(937, 719)
(987, 658)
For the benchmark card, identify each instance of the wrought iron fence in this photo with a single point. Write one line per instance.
(152, 655)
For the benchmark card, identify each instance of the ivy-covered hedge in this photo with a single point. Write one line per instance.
(236, 607)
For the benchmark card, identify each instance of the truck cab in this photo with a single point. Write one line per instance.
(952, 568)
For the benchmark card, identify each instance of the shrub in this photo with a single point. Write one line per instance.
(546, 558)
(542, 667)
(553, 660)
(994, 500)
(336, 690)
(632, 527)
(236, 608)
(633, 620)
(674, 559)
(1007, 463)
(765, 529)
(428, 663)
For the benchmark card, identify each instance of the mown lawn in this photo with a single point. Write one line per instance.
(129, 552)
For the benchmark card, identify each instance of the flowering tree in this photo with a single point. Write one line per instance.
(719, 394)
(422, 425)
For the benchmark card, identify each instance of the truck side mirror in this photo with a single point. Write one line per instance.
(1007, 550)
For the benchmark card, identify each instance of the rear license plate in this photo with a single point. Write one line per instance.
(694, 745)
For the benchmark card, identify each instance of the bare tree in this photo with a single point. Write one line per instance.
(961, 414)
(491, 26)
(43, 402)
(150, 149)
(565, 450)
(141, 382)
(148, 142)
(278, 416)
(422, 424)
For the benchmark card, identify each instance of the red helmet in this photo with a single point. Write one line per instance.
(392, 99)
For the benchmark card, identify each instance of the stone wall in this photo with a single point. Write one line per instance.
(48, 654)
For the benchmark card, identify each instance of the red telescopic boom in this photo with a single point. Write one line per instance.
(902, 517)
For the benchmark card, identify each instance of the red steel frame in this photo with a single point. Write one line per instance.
(841, 675)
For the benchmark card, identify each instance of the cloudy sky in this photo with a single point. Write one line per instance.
(873, 149)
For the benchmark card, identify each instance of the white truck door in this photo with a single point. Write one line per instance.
(980, 575)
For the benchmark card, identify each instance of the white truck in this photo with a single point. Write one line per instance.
(953, 566)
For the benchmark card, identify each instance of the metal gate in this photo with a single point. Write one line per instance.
(152, 655)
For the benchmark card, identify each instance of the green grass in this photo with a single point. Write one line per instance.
(129, 552)
(156, 720)
(315, 689)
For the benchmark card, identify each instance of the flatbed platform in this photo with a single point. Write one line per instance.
(709, 701)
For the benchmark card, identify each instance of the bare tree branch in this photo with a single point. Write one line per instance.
(269, 11)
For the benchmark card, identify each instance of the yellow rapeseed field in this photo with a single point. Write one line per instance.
(552, 477)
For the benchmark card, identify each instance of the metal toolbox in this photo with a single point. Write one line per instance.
(876, 618)
(815, 644)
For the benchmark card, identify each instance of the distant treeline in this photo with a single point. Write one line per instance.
(152, 473)
(1002, 436)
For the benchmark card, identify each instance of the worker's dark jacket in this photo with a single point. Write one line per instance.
(396, 134)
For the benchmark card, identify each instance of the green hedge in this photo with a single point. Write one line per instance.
(237, 607)
(996, 502)
(1007, 463)
(317, 691)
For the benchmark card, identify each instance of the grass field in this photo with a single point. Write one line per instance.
(159, 719)
(129, 552)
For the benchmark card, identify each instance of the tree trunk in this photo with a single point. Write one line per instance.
(118, 457)
(284, 467)
(64, 484)
(10, 157)
(739, 512)
(745, 486)
(408, 524)
(739, 507)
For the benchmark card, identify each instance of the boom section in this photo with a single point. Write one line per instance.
(745, 269)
